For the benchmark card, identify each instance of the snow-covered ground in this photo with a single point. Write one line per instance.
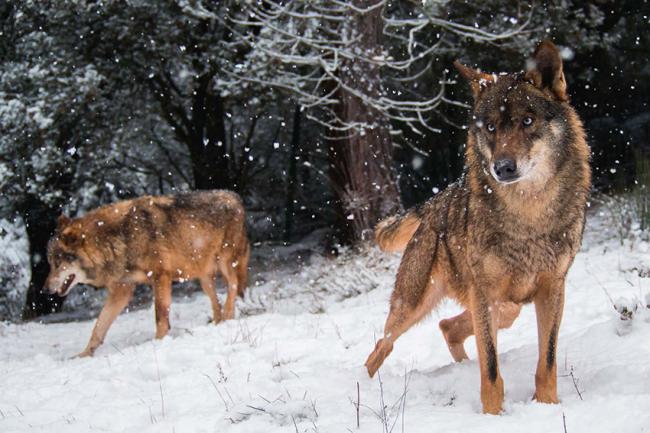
(294, 358)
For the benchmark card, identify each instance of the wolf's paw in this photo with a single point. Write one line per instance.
(494, 409)
(454, 342)
(87, 353)
(376, 359)
(546, 398)
(458, 352)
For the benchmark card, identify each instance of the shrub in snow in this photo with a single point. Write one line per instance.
(14, 269)
(626, 307)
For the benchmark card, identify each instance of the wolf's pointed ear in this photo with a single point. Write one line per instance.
(62, 221)
(545, 71)
(477, 80)
(70, 237)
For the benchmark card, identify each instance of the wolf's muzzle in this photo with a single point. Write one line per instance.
(505, 170)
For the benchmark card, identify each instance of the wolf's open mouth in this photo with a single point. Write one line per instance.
(66, 285)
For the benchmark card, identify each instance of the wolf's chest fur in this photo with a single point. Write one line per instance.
(479, 236)
(514, 262)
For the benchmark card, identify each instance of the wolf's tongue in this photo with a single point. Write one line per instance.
(66, 284)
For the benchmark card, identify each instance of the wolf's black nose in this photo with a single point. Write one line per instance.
(505, 169)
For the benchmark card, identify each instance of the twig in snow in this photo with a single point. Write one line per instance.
(256, 408)
(225, 403)
(384, 415)
(564, 421)
(407, 378)
(225, 388)
(358, 403)
(401, 403)
(313, 407)
(117, 348)
(575, 384)
(162, 398)
(294, 423)
(600, 284)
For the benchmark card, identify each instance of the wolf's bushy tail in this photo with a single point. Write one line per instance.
(395, 232)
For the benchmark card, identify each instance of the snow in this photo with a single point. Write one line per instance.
(293, 358)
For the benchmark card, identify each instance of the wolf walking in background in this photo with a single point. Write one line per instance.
(154, 241)
(507, 232)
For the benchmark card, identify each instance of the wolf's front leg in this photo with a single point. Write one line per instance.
(162, 292)
(118, 298)
(549, 304)
(230, 276)
(486, 343)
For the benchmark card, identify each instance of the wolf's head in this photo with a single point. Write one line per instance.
(69, 265)
(519, 127)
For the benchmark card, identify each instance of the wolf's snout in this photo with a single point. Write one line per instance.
(505, 170)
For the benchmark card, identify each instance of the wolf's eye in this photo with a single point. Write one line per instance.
(490, 127)
(527, 121)
(69, 257)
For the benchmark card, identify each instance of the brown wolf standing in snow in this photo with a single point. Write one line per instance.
(507, 232)
(154, 241)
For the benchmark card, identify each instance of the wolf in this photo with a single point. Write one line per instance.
(152, 240)
(506, 233)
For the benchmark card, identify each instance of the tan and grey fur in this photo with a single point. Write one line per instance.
(494, 242)
(152, 240)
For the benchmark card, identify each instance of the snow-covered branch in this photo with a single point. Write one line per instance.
(307, 48)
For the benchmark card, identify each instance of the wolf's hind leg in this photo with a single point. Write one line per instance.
(401, 317)
(419, 287)
(242, 269)
(162, 293)
(229, 272)
(208, 286)
(118, 298)
(458, 328)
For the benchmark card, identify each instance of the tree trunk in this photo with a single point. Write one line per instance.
(361, 158)
(40, 223)
(200, 127)
(290, 208)
(208, 142)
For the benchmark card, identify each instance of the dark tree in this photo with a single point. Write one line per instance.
(361, 158)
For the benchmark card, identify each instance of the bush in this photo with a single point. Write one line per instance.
(14, 269)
